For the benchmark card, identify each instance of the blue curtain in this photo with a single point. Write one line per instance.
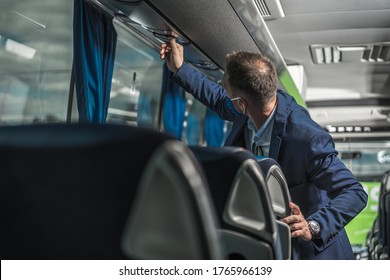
(174, 105)
(213, 129)
(94, 45)
(144, 111)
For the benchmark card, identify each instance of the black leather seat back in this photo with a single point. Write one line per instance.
(67, 192)
(242, 202)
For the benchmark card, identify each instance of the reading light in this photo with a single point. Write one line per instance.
(19, 49)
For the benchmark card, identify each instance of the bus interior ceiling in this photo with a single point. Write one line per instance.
(344, 48)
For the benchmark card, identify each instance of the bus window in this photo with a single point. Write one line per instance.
(368, 160)
(136, 83)
(35, 60)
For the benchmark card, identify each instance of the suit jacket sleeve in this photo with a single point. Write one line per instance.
(209, 93)
(327, 172)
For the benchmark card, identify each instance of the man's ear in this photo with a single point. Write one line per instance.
(241, 105)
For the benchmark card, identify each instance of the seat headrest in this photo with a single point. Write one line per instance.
(220, 165)
(238, 190)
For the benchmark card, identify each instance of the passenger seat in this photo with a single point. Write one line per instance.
(102, 192)
(242, 202)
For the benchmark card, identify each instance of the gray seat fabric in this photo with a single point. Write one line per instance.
(280, 198)
(276, 185)
(101, 192)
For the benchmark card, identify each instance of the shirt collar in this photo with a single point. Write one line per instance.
(263, 135)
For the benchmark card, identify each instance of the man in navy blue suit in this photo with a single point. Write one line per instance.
(269, 122)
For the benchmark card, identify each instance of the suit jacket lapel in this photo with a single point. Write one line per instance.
(276, 141)
(248, 139)
(282, 111)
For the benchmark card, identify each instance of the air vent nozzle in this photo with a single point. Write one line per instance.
(367, 53)
(377, 53)
(270, 9)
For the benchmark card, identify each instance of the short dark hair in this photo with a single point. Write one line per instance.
(253, 74)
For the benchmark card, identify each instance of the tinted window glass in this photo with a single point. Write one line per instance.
(35, 60)
(136, 83)
(367, 160)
